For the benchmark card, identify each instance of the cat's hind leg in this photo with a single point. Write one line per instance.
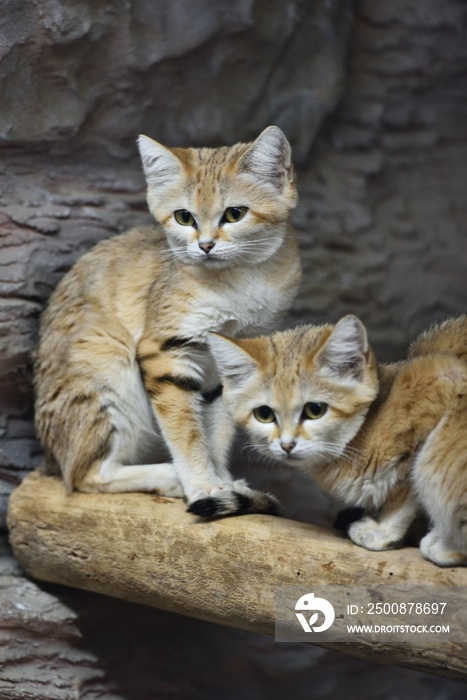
(436, 548)
(109, 476)
(389, 530)
(121, 463)
(440, 481)
(133, 444)
(96, 423)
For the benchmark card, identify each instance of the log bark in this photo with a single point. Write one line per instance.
(147, 549)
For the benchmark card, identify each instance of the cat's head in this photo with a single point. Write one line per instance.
(222, 207)
(301, 394)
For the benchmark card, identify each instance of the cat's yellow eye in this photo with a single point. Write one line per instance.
(234, 214)
(264, 414)
(312, 411)
(184, 217)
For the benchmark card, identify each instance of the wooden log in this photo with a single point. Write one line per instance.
(147, 549)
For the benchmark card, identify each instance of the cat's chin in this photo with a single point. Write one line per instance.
(211, 262)
(287, 459)
(217, 263)
(305, 461)
(226, 260)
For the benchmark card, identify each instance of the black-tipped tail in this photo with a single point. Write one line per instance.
(233, 503)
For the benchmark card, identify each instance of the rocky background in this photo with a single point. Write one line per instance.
(373, 97)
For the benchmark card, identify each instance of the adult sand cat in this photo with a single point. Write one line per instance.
(127, 393)
(391, 440)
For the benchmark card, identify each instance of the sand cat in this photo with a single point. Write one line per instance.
(128, 396)
(390, 440)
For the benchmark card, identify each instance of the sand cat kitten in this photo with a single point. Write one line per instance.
(390, 440)
(127, 393)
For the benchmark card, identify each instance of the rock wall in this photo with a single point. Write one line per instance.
(383, 214)
(187, 72)
(374, 103)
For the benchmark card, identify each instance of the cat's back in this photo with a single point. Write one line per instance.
(113, 278)
(133, 257)
(106, 291)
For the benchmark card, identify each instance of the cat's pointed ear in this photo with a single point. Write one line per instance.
(234, 363)
(269, 158)
(160, 165)
(346, 351)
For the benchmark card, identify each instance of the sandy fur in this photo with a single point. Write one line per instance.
(394, 439)
(124, 379)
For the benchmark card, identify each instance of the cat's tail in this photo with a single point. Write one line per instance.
(448, 337)
(241, 500)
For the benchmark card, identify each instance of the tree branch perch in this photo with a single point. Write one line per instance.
(147, 549)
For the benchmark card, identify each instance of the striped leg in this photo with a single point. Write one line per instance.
(196, 433)
(173, 382)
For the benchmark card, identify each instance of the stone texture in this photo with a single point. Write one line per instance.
(383, 213)
(186, 72)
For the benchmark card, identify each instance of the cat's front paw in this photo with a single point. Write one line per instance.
(213, 500)
(370, 534)
(433, 549)
(216, 488)
(239, 499)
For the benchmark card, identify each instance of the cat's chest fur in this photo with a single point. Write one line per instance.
(365, 490)
(133, 277)
(252, 304)
(191, 301)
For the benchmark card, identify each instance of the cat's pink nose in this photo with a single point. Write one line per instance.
(288, 446)
(207, 247)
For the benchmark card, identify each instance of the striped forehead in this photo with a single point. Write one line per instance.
(290, 364)
(287, 397)
(288, 349)
(292, 387)
(210, 177)
(207, 195)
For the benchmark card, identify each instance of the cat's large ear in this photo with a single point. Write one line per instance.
(346, 351)
(160, 165)
(234, 363)
(269, 158)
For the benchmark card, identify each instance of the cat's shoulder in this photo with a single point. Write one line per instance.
(138, 247)
(133, 255)
(134, 240)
